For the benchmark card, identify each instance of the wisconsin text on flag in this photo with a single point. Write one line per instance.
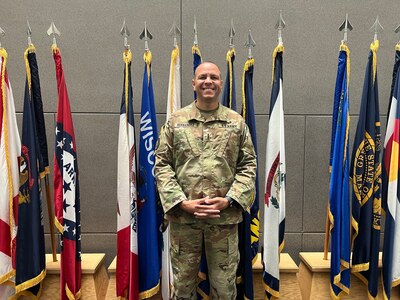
(10, 147)
(275, 185)
(366, 180)
(66, 191)
(339, 197)
(149, 211)
(390, 187)
(127, 281)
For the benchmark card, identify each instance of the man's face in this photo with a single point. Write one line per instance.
(207, 82)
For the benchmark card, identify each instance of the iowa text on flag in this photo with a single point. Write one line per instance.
(365, 174)
(66, 191)
(390, 187)
(149, 210)
(10, 147)
(339, 193)
(127, 272)
(31, 261)
(275, 185)
(173, 104)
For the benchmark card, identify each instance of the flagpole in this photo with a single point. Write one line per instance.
(51, 217)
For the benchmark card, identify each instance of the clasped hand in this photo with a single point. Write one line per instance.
(205, 208)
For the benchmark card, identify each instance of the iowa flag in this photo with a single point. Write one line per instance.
(366, 180)
(391, 187)
(275, 185)
(31, 261)
(339, 192)
(149, 209)
(173, 104)
(10, 147)
(229, 95)
(66, 191)
(127, 278)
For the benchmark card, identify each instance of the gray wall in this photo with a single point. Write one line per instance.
(91, 49)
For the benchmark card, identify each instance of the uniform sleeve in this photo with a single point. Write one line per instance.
(170, 191)
(243, 187)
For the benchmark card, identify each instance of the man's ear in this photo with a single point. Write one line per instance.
(193, 84)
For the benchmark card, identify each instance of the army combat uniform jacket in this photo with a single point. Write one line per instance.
(196, 158)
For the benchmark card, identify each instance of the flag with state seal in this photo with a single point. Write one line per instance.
(30, 260)
(127, 271)
(66, 191)
(339, 188)
(10, 147)
(365, 174)
(275, 181)
(390, 187)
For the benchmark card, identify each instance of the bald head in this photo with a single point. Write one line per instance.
(205, 64)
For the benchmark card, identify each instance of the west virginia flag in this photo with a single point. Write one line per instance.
(31, 261)
(275, 185)
(149, 209)
(66, 191)
(339, 192)
(10, 147)
(127, 272)
(365, 174)
(391, 187)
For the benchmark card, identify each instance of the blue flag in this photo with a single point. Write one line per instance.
(149, 211)
(229, 95)
(390, 186)
(366, 179)
(339, 193)
(196, 61)
(30, 259)
(249, 227)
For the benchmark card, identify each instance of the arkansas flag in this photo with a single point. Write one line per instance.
(66, 191)
(10, 147)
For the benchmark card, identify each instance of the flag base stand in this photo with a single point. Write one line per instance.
(289, 287)
(314, 279)
(94, 279)
(288, 284)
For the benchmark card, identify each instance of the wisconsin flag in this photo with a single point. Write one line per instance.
(339, 192)
(391, 187)
(66, 191)
(149, 210)
(127, 273)
(10, 147)
(229, 95)
(173, 104)
(275, 185)
(31, 261)
(366, 180)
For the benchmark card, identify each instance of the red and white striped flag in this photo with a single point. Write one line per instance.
(10, 148)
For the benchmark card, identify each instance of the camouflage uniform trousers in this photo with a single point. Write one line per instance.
(222, 253)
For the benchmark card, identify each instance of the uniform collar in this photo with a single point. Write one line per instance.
(221, 114)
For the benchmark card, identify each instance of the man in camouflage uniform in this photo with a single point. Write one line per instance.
(205, 170)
